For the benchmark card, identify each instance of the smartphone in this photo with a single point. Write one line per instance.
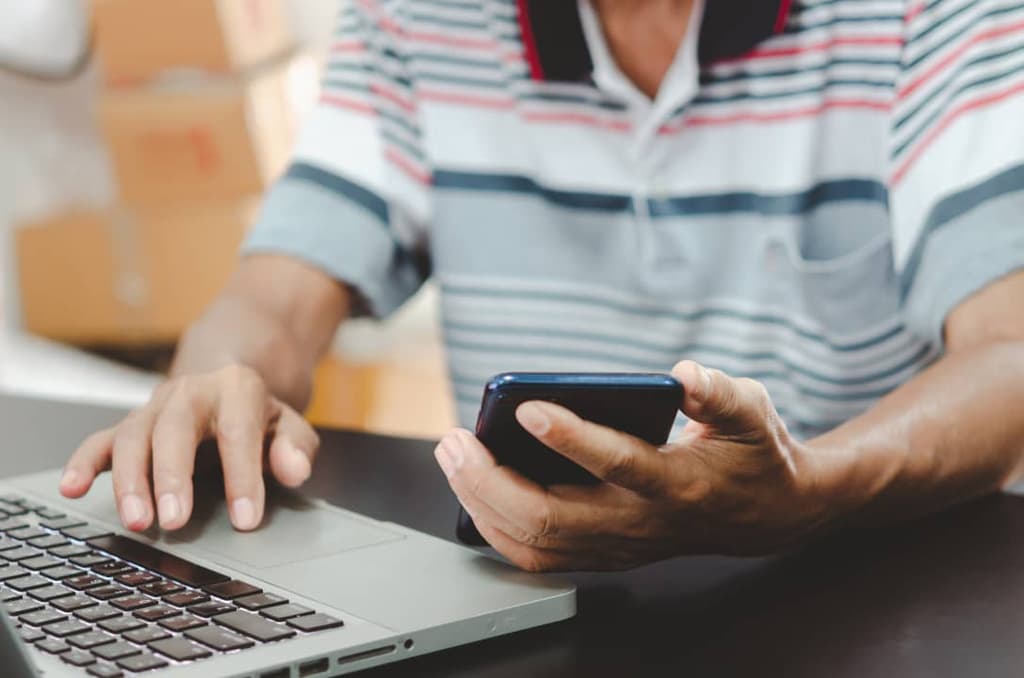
(642, 405)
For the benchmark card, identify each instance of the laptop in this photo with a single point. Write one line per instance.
(317, 591)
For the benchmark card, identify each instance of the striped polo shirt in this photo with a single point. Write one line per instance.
(815, 186)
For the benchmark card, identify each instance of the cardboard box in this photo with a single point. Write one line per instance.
(124, 277)
(140, 39)
(191, 140)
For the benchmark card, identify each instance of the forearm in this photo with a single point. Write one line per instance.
(954, 432)
(275, 316)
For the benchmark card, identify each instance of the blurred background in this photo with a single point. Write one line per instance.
(136, 140)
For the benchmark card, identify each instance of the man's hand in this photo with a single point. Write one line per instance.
(159, 441)
(735, 482)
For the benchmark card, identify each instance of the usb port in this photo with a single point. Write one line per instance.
(314, 667)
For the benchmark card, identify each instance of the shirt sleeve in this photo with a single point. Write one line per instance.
(957, 154)
(355, 201)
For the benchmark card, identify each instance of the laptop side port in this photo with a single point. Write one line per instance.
(367, 654)
(277, 673)
(314, 667)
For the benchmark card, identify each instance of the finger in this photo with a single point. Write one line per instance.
(516, 505)
(130, 464)
(529, 558)
(90, 459)
(293, 448)
(178, 430)
(613, 456)
(736, 406)
(242, 415)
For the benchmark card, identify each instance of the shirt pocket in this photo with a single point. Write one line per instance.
(842, 277)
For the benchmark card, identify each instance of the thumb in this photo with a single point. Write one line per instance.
(293, 448)
(711, 397)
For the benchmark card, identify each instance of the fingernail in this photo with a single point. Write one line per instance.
(705, 381)
(300, 464)
(243, 511)
(533, 418)
(449, 455)
(69, 479)
(169, 508)
(132, 510)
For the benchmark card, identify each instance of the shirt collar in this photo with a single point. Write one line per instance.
(556, 47)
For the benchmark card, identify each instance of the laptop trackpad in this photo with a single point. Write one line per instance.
(293, 529)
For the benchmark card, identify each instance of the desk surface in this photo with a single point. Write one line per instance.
(939, 597)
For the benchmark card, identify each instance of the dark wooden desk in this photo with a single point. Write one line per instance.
(939, 597)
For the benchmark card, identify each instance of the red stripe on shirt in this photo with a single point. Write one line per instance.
(529, 42)
(578, 119)
(412, 169)
(344, 102)
(780, 20)
(779, 116)
(466, 99)
(947, 121)
(943, 64)
(777, 52)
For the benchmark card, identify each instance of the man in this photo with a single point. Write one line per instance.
(820, 204)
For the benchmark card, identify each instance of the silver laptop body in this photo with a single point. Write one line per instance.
(399, 593)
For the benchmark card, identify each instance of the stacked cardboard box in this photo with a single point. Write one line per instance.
(198, 109)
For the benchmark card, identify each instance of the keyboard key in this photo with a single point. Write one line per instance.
(25, 583)
(24, 553)
(121, 624)
(157, 612)
(8, 524)
(27, 532)
(92, 639)
(60, 572)
(30, 635)
(72, 603)
(11, 498)
(142, 662)
(182, 622)
(68, 627)
(161, 588)
(158, 561)
(180, 649)
(31, 505)
(115, 650)
(40, 562)
(136, 578)
(146, 635)
(7, 595)
(260, 601)
(232, 589)
(78, 658)
(97, 613)
(6, 543)
(133, 602)
(23, 606)
(70, 550)
(49, 513)
(108, 592)
(53, 646)
(41, 617)
(52, 592)
(186, 598)
(61, 523)
(219, 638)
(112, 568)
(254, 626)
(11, 572)
(283, 612)
(89, 559)
(84, 581)
(105, 671)
(85, 532)
(210, 609)
(48, 541)
(315, 622)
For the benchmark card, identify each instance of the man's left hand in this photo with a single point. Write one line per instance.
(735, 482)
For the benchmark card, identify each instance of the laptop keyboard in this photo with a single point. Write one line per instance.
(114, 606)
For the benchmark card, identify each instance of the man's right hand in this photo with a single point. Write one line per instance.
(152, 452)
